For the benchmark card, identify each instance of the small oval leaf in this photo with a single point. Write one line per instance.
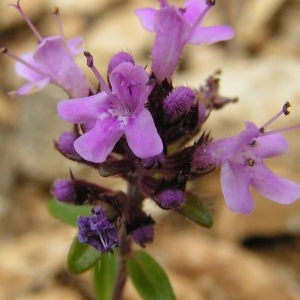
(196, 211)
(81, 257)
(148, 277)
(105, 274)
(68, 213)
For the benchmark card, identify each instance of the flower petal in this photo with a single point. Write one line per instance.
(146, 16)
(54, 57)
(130, 84)
(96, 144)
(142, 136)
(168, 42)
(75, 45)
(32, 87)
(26, 72)
(270, 145)
(82, 110)
(274, 187)
(235, 187)
(193, 9)
(210, 35)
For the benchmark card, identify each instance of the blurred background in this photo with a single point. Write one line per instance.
(241, 257)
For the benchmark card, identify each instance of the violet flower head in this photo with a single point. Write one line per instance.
(241, 158)
(52, 62)
(98, 231)
(175, 27)
(110, 114)
(143, 235)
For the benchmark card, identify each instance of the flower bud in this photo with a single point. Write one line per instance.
(170, 198)
(178, 103)
(64, 190)
(65, 145)
(143, 235)
(118, 59)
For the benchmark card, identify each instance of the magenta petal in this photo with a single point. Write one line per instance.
(32, 87)
(194, 8)
(75, 45)
(55, 58)
(82, 110)
(274, 187)
(146, 16)
(26, 72)
(96, 144)
(142, 136)
(210, 35)
(270, 145)
(235, 187)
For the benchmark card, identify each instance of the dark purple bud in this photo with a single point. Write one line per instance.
(153, 162)
(65, 145)
(64, 190)
(177, 103)
(98, 231)
(143, 235)
(118, 59)
(170, 198)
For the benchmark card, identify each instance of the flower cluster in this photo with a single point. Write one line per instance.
(138, 127)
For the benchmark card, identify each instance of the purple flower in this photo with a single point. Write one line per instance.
(112, 113)
(98, 231)
(175, 27)
(241, 160)
(52, 62)
(178, 102)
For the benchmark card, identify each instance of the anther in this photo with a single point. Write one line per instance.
(250, 162)
(253, 143)
(90, 64)
(284, 111)
(55, 10)
(89, 59)
(285, 108)
(3, 50)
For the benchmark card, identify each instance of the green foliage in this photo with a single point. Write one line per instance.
(105, 274)
(68, 213)
(81, 257)
(196, 211)
(148, 277)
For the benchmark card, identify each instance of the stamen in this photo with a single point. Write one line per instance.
(90, 64)
(55, 11)
(209, 4)
(284, 111)
(22, 61)
(286, 129)
(27, 20)
(250, 162)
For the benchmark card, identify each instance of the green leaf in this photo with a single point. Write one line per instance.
(148, 277)
(81, 257)
(195, 210)
(105, 274)
(68, 213)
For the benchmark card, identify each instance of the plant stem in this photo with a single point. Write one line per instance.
(125, 249)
